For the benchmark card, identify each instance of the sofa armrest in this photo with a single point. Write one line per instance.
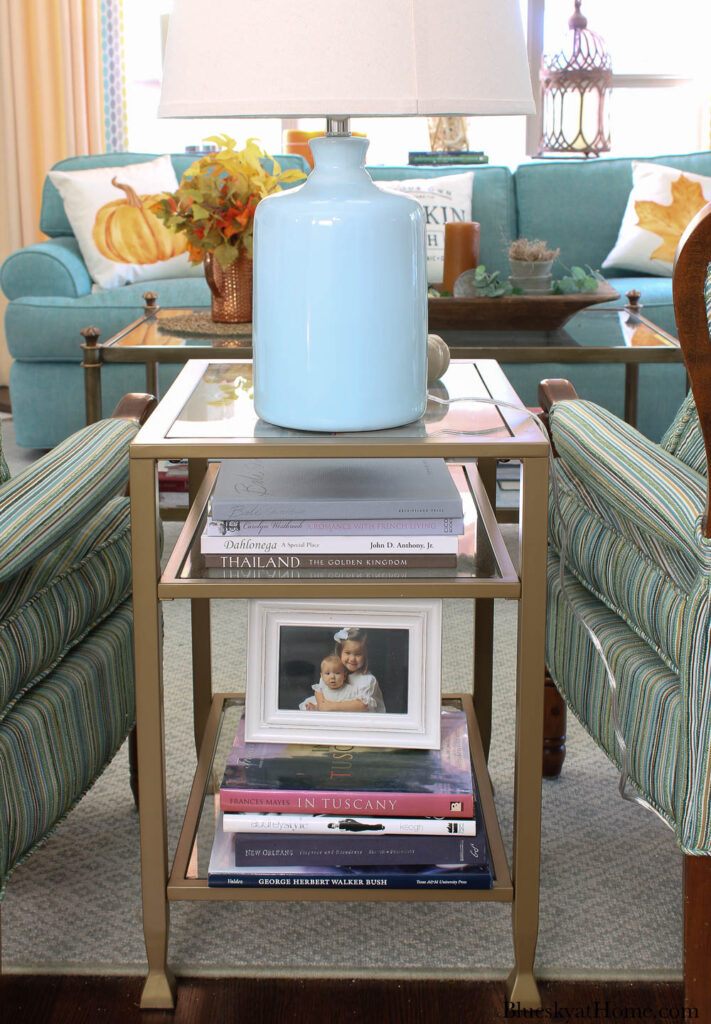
(632, 475)
(64, 488)
(55, 267)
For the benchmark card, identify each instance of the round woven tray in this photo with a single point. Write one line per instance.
(201, 323)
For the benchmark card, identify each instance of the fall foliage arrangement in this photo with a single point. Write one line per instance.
(215, 202)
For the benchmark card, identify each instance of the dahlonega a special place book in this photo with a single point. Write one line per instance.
(334, 489)
(324, 779)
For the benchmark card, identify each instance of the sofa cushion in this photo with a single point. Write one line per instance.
(493, 205)
(444, 199)
(120, 238)
(55, 742)
(48, 607)
(578, 206)
(661, 204)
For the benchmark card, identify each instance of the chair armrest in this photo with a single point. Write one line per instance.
(632, 475)
(63, 488)
(55, 268)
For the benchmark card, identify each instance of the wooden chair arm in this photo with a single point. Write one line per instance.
(550, 391)
(135, 406)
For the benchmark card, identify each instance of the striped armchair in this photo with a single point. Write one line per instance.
(638, 572)
(66, 659)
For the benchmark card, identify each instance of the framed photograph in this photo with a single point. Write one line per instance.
(361, 673)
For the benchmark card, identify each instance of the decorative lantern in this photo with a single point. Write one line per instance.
(574, 84)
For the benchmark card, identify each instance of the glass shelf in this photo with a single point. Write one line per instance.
(188, 878)
(482, 559)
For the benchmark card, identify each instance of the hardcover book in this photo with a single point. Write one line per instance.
(334, 561)
(290, 850)
(381, 544)
(334, 489)
(223, 872)
(328, 824)
(321, 779)
(331, 527)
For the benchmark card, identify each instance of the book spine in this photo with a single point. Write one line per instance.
(378, 879)
(339, 527)
(336, 561)
(306, 851)
(390, 805)
(285, 545)
(313, 824)
(367, 508)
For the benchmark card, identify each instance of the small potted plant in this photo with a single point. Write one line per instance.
(531, 263)
(214, 208)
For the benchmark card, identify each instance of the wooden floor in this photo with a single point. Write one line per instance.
(72, 999)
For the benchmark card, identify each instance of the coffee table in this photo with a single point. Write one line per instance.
(208, 414)
(594, 335)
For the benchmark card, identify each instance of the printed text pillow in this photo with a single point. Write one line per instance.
(120, 239)
(444, 199)
(662, 202)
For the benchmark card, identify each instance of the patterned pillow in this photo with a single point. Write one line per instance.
(444, 199)
(120, 239)
(662, 202)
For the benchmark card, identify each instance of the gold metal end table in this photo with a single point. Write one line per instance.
(208, 414)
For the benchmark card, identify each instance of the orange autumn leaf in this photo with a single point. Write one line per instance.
(670, 221)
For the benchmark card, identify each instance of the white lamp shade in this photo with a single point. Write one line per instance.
(349, 58)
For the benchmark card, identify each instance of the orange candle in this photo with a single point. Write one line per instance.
(461, 251)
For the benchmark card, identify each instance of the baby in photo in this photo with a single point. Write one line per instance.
(345, 684)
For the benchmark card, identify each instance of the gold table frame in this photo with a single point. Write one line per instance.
(515, 436)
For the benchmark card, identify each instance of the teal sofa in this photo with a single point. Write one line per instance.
(576, 206)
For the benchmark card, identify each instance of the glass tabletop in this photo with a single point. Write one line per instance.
(593, 327)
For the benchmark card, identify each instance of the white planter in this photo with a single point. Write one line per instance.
(530, 268)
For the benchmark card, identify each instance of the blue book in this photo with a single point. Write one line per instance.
(334, 489)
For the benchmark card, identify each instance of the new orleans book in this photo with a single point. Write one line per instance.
(224, 872)
(334, 489)
(396, 782)
(328, 824)
(284, 850)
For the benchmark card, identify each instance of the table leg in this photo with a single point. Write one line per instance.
(159, 987)
(152, 378)
(91, 364)
(484, 629)
(521, 986)
(200, 622)
(631, 392)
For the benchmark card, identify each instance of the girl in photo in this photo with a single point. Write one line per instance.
(351, 648)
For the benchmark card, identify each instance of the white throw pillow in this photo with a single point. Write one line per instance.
(662, 202)
(444, 199)
(122, 242)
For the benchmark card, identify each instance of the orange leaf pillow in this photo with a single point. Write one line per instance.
(662, 202)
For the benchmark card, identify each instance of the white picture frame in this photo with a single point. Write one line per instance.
(286, 642)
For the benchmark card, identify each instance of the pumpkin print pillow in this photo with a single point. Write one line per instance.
(662, 202)
(120, 239)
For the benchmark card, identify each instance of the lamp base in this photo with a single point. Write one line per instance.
(340, 299)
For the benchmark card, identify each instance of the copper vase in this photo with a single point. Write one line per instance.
(231, 289)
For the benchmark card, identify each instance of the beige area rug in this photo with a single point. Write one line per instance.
(610, 884)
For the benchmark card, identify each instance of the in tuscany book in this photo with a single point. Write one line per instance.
(334, 489)
(322, 779)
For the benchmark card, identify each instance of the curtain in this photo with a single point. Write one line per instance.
(51, 107)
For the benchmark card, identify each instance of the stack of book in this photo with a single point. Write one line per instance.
(333, 514)
(387, 818)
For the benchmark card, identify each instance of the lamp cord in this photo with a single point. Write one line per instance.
(595, 640)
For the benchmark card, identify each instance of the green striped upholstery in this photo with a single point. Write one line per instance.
(638, 571)
(4, 471)
(60, 491)
(49, 606)
(55, 743)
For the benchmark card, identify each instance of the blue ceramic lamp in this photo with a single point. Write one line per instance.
(340, 274)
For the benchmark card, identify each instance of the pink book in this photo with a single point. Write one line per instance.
(321, 779)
